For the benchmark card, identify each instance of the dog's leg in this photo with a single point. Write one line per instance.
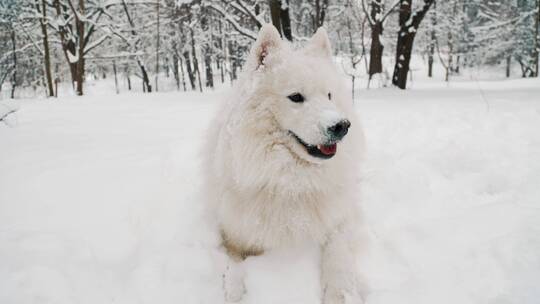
(340, 281)
(233, 281)
(233, 278)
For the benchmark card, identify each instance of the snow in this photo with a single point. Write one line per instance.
(382, 40)
(73, 58)
(7, 111)
(99, 201)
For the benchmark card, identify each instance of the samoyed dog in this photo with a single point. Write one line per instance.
(282, 161)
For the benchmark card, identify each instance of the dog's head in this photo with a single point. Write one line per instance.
(303, 91)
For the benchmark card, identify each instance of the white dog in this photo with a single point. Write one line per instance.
(282, 163)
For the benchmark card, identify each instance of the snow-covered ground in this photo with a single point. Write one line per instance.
(99, 201)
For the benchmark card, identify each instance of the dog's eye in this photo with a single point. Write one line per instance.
(296, 97)
(329, 96)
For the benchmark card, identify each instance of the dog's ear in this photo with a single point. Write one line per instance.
(319, 44)
(268, 42)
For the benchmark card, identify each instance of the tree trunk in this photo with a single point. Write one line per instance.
(167, 67)
(403, 58)
(275, 8)
(80, 62)
(406, 35)
(115, 77)
(147, 87)
(208, 69)
(447, 70)
(452, 46)
(430, 61)
(196, 66)
(363, 44)
(175, 70)
(128, 78)
(222, 46)
(286, 21)
(450, 53)
(191, 74)
(279, 14)
(233, 61)
(207, 48)
(537, 39)
(220, 63)
(182, 74)
(320, 13)
(157, 45)
(354, 54)
(376, 51)
(56, 80)
(433, 38)
(14, 75)
(73, 45)
(79, 77)
(3, 77)
(508, 60)
(46, 51)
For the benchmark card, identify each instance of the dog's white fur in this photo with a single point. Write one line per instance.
(266, 191)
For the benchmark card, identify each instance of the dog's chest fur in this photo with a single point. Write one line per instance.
(262, 220)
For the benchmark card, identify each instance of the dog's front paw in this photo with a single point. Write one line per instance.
(233, 284)
(337, 295)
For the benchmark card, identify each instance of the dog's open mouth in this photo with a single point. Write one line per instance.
(324, 151)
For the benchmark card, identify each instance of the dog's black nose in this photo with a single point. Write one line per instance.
(339, 130)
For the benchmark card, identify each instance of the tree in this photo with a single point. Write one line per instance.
(376, 18)
(279, 12)
(9, 14)
(46, 51)
(506, 32)
(208, 43)
(408, 26)
(14, 82)
(320, 13)
(134, 46)
(157, 43)
(448, 35)
(432, 40)
(526, 47)
(537, 38)
(77, 24)
(350, 30)
(200, 42)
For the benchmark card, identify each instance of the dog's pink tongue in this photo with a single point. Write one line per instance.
(328, 149)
